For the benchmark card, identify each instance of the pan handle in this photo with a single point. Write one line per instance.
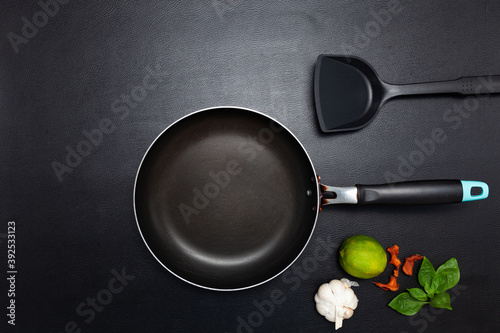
(411, 192)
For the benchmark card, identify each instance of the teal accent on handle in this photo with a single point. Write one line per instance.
(467, 186)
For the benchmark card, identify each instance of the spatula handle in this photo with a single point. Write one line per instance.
(472, 85)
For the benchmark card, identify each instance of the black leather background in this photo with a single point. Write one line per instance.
(73, 236)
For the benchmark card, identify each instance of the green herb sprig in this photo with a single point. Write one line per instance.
(435, 284)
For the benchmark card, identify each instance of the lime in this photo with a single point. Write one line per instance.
(362, 257)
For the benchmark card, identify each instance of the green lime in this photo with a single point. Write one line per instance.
(362, 257)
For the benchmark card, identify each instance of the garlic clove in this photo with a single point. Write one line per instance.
(348, 312)
(338, 320)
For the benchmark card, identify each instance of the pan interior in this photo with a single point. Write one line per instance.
(226, 198)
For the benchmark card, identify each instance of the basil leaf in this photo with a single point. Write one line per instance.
(441, 301)
(418, 294)
(405, 304)
(425, 275)
(438, 284)
(452, 263)
(449, 270)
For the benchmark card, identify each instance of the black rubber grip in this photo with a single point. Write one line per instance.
(412, 192)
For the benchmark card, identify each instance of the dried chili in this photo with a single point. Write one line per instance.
(394, 251)
(393, 282)
(392, 285)
(409, 262)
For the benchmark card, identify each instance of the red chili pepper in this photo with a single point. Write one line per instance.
(394, 251)
(392, 285)
(409, 262)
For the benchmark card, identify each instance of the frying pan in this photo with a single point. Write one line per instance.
(227, 198)
(348, 93)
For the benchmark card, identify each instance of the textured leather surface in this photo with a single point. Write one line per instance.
(106, 77)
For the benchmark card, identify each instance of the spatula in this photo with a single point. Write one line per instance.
(348, 93)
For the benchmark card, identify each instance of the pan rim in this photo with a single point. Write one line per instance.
(318, 201)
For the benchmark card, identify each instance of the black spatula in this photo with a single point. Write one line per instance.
(348, 92)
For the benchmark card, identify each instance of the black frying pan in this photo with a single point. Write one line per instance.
(227, 198)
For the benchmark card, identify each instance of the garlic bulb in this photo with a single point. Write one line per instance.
(336, 300)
